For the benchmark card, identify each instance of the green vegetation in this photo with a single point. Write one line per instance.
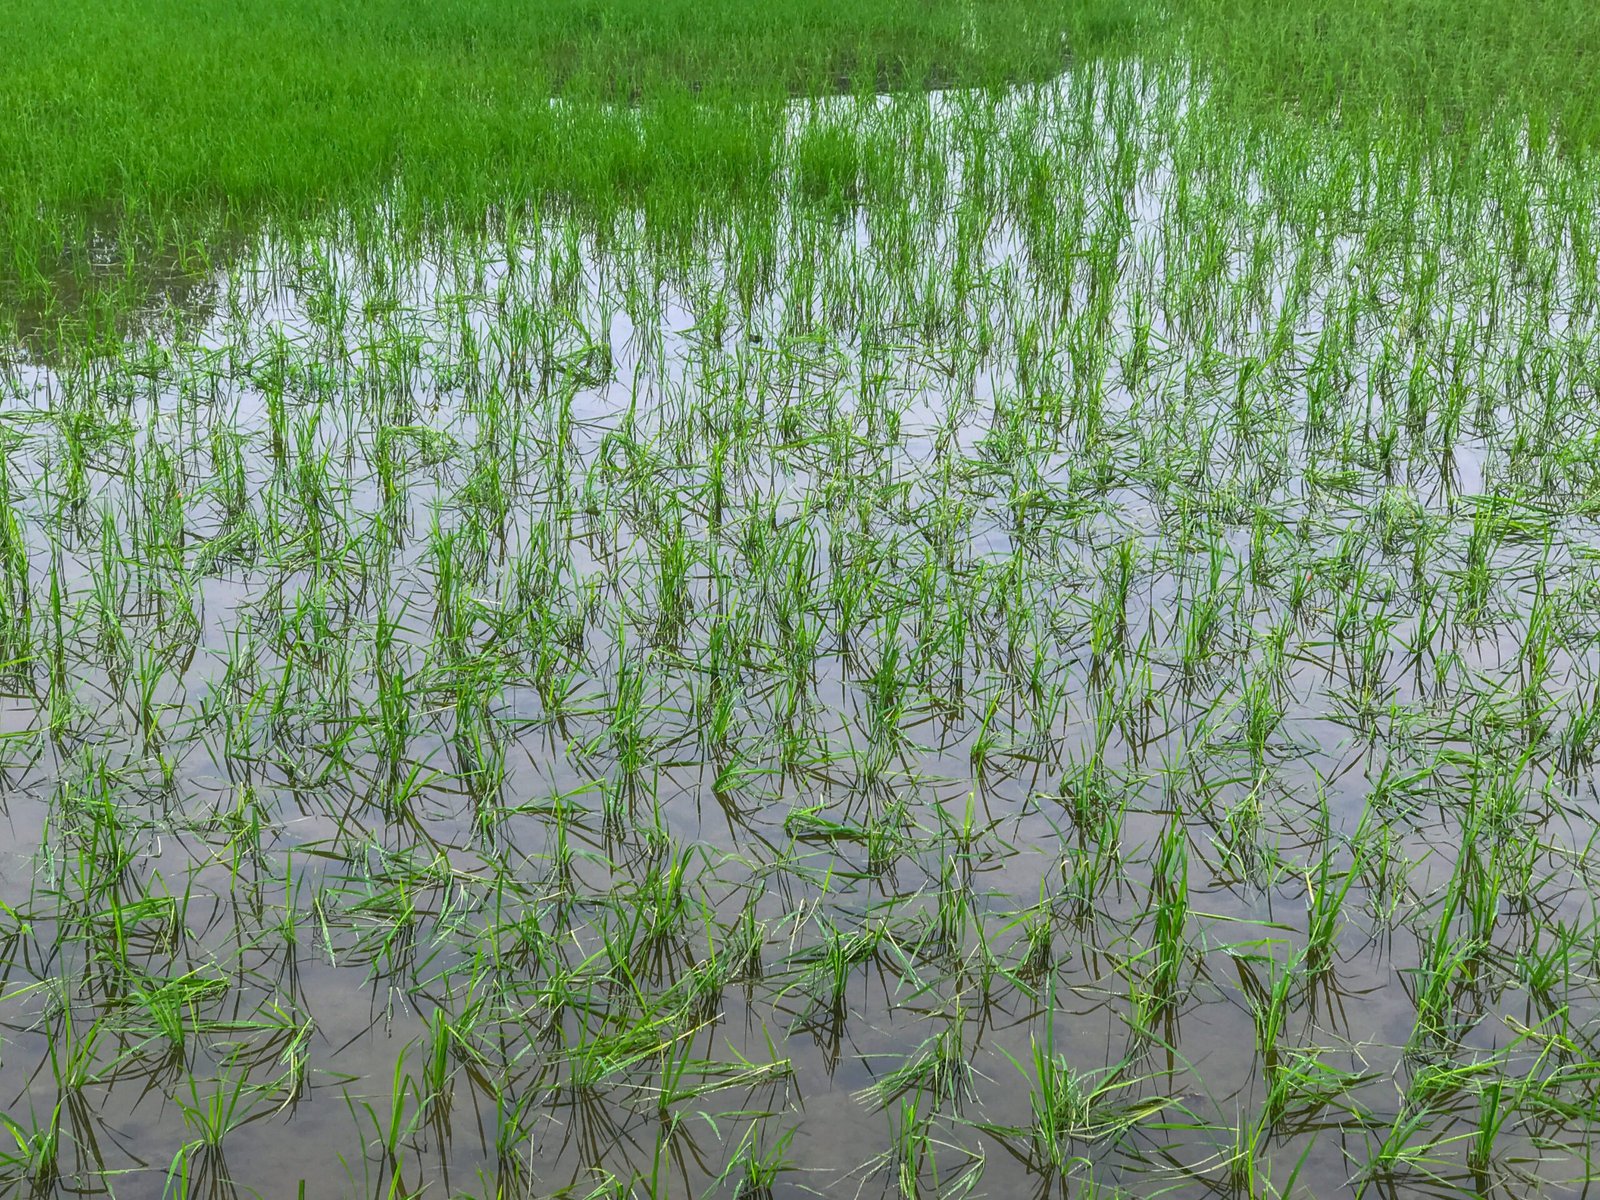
(163, 125)
(1442, 67)
(898, 599)
(142, 141)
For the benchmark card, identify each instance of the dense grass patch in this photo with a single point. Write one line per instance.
(1437, 67)
(140, 133)
(163, 107)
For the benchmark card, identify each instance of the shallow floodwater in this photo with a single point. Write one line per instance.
(1065, 657)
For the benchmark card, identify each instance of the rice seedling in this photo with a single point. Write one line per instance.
(36, 1157)
(757, 1164)
(199, 1165)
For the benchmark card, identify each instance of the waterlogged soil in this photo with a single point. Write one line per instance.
(1064, 656)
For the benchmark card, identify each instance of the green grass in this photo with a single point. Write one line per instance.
(1447, 67)
(140, 140)
(172, 122)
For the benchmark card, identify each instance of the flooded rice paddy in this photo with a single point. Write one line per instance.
(1054, 657)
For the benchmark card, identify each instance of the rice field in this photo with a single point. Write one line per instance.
(958, 614)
